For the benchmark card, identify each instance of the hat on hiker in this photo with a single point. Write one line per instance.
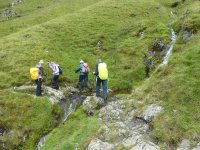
(81, 61)
(41, 62)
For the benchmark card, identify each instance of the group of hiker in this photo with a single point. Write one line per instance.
(101, 74)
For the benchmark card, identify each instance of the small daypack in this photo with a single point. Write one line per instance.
(60, 70)
(103, 71)
(86, 68)
(34, 73)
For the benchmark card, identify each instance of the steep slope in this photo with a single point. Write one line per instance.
(30, 13)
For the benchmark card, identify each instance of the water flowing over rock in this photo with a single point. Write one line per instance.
(169, 52)
(67, 97)
(68, 105)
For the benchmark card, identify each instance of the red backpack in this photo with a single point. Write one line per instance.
(86, 68)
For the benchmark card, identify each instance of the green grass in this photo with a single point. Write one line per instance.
(37, 12)
(176, 88)
(24, 116)
(77, 131)
(74, 36)
(70, 30)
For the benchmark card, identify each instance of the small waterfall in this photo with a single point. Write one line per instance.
(169, 52)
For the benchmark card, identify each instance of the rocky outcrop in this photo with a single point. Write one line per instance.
(151, 112)
(91, 103)
(53, 95)
(122, 129)
(97, 144)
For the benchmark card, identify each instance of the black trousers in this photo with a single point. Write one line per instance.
(55, 82)
(39, 87)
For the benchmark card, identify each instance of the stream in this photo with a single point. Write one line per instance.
(169, 52)
(68, 106)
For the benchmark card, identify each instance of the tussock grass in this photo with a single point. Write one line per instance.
(21, 120)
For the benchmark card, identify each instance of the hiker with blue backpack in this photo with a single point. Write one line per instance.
(101, 73)
(57, 71)
(84, 69)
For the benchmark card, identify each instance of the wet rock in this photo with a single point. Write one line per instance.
(145, 146)
(42, 142)
(185, 145)
(97, 144)
(151, 112)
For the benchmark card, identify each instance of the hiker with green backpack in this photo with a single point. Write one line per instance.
(101, 73)
(84, 69)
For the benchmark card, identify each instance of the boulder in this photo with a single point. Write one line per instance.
(185, 145)
(97, 144)
(151, 112)
(91, 103)
(145, 146)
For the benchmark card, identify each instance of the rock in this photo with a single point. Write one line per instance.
(97, 144)
(129, 142)
(187, 35)
(53, 95)
(185, 145)
(91, 103)
(151, 112)
(197, 147)
(145, 146)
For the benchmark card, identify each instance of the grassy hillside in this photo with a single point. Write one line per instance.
(74, 36)
(66, 31)
(176, 86)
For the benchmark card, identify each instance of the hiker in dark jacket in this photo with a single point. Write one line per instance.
(99, 82)
(83, 76)
(40, 77)
(54, 67)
